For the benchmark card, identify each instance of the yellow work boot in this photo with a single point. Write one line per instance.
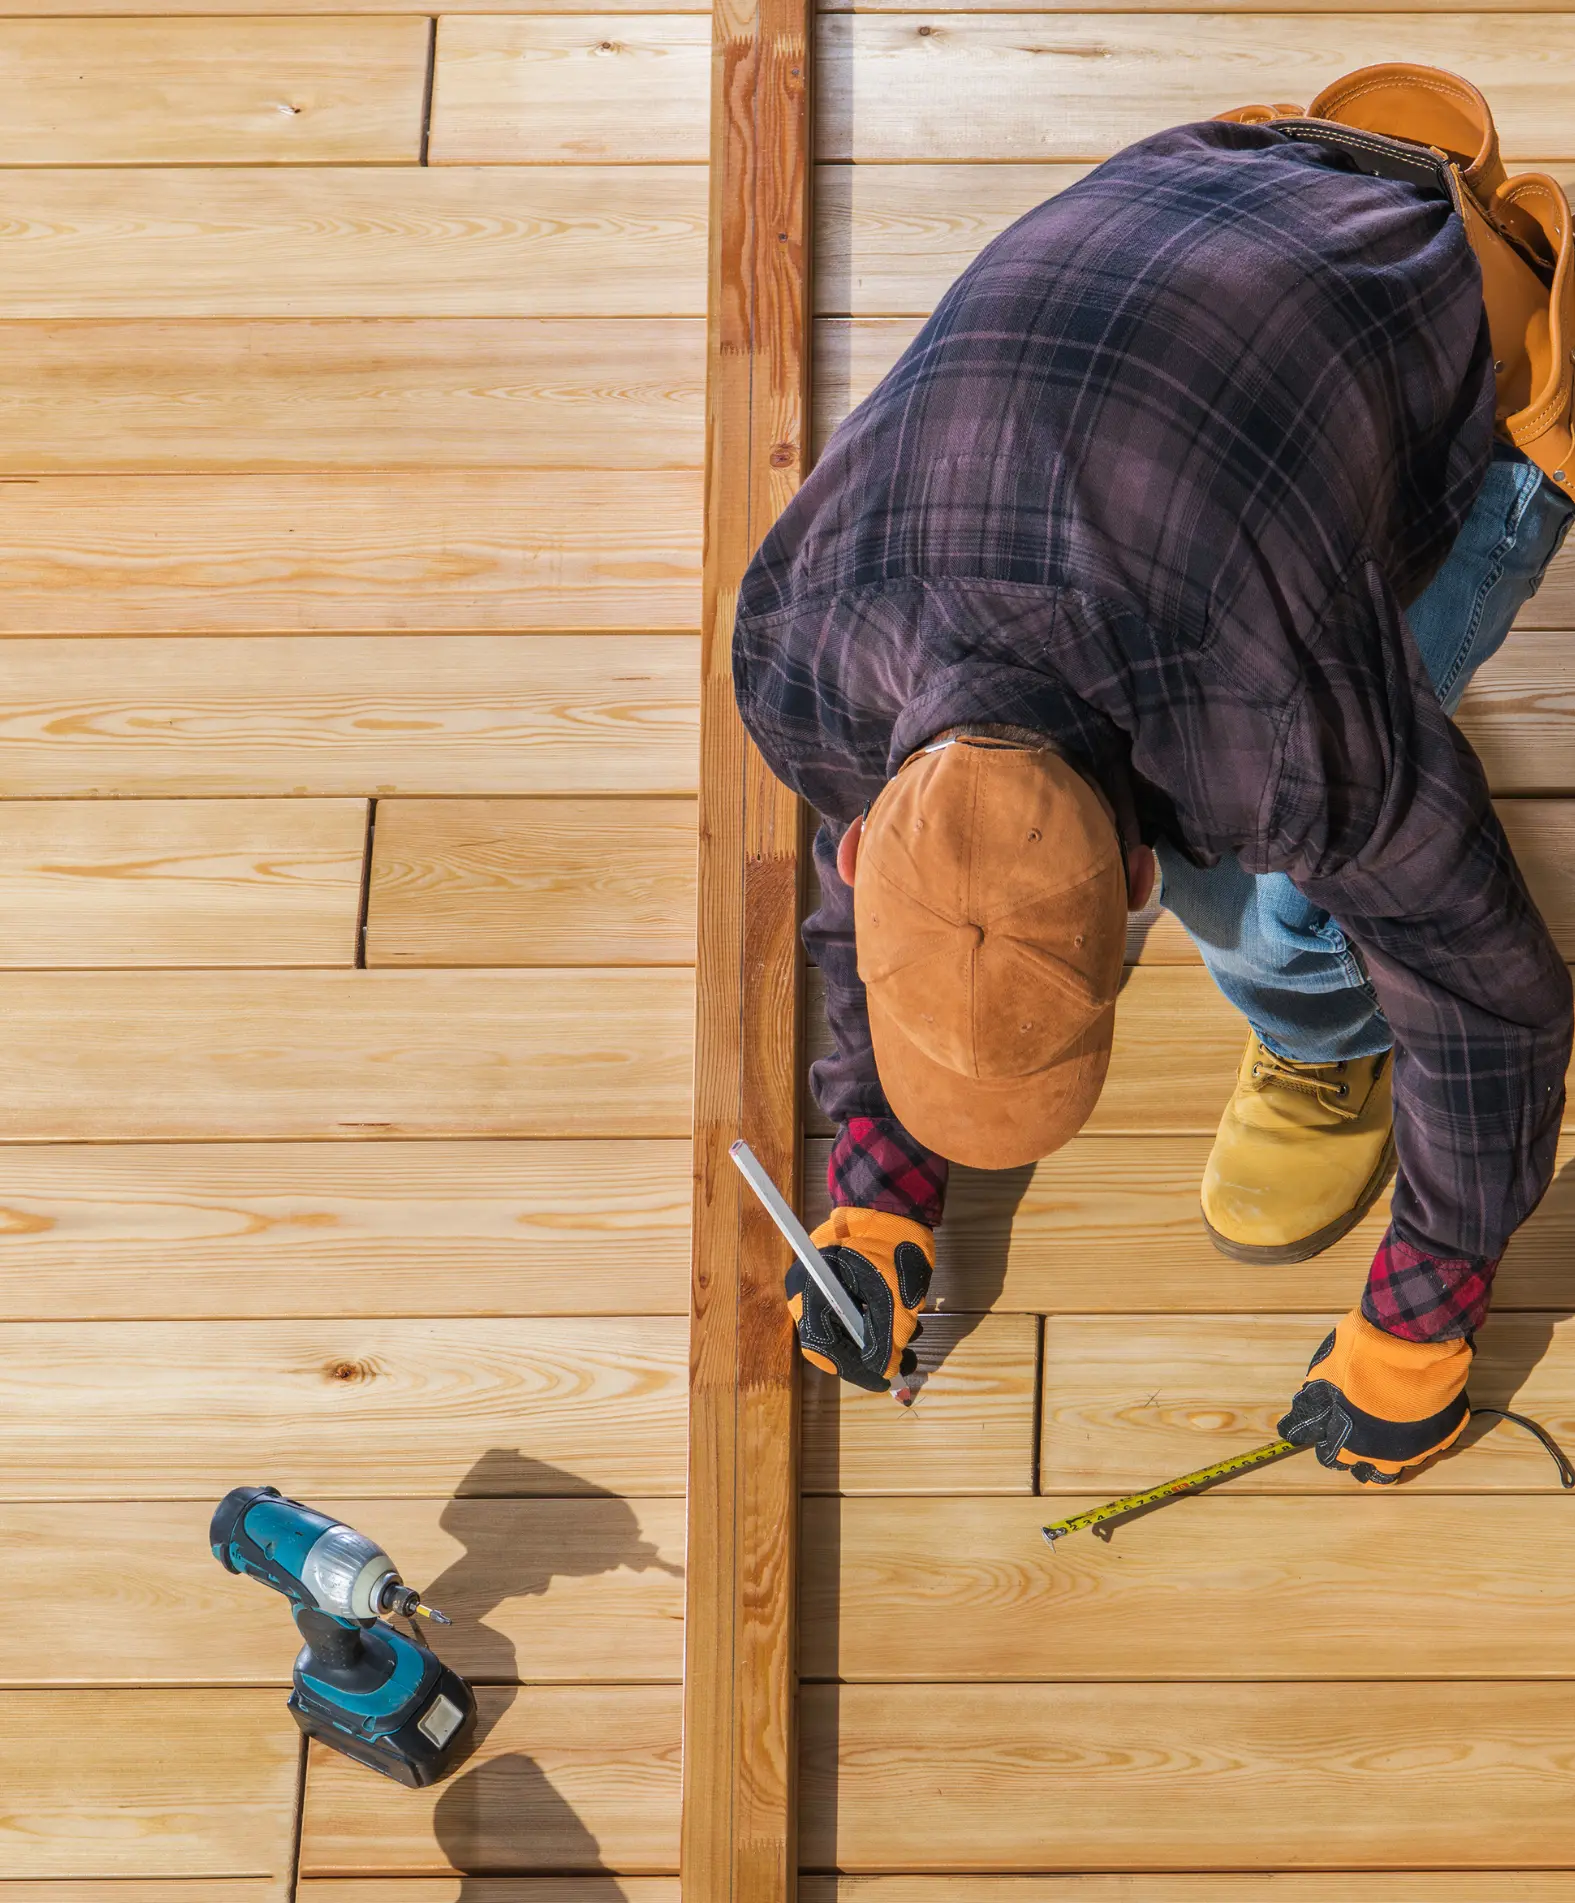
(1302, 1153)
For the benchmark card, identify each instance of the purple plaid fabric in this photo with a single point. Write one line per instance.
(1424, 1297)
(1157, 480)
(875, 1164)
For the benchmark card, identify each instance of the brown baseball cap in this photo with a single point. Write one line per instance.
(990, 922)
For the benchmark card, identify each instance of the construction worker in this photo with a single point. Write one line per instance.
(1176, 536)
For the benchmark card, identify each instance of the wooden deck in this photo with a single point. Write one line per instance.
(352, 422)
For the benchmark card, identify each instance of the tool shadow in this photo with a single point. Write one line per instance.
(500, 1815)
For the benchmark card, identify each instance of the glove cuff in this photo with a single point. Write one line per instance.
(1394, 1379)
(855, 1226)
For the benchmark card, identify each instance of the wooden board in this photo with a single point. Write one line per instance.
(180, 882)
(1519, 711)
(533, 882)
(568, 1780)
(1128, 1403)
(970, 1430)
(121, 1055)
(539, 1589)
(486, 1890)
(567, 241)
(195, 92)
(163, 1890)
(185, 1410)
(1047, 86)
(254, 554)
(150, 1784)
(1042, 1240)
(1377, 1886)
(325, 715)
(592, 89)
(232, 1230)
(1553, 605)
(1218, 1587)
(1085, 1777)
(166, 396)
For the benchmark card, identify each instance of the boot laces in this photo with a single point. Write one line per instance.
(1327, 1083)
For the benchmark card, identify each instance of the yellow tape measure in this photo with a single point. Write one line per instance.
(1205, 1476)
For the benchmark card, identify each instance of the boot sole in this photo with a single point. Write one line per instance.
(1306, 1247)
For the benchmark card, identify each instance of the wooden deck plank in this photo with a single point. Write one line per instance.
(544, 1590)
(416, 241)
(162, 1890)
(464, 550)
(970, 1430)
(591, 89)
(199, 92)
(534, 882)
(968, 86)
(137, 1231)
(268, 395)
(327, 715)
(1209, 1588)
(146, 1784)
(180, 882)
(1042, 1240)
(1136, 1400)
(487, 1890)
(184, 1410)
(1293, 1886)
(891, 238)
(567, 1780)
(109, 1056)
(1091, 1777)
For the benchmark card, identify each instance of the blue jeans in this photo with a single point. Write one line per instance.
(1281, 960)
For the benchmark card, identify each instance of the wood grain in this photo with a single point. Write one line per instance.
(568, 1780)
(533, 882)
(161, 1890)
(465, 550)
(167, 396)
(539, 1589)
(349, 715)
(1042, 1240)
(1047, 86)
(592, 89)
(1294, 1886)
(970, 1430)
(491, 1890)
(1089, 1777)
(180, 882)
(1216, 1587)
(1133, 1401)
(148, 1784)
(1553, 606)
(255, 1230)
(1519, 711)
(110, 1056)
(338, 242)
(195, 92)
(183, 1410)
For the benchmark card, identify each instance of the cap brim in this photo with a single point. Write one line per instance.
(994, 1124)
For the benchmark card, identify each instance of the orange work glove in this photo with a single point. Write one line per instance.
(885, 1263)
(1375, 1404)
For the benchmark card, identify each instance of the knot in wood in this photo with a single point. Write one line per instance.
(782, 455)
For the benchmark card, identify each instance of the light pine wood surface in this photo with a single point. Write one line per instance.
(551, 882)
(330, 715)
(1380, 1886)
(568, 1779)
(486, 1890)
(175, 395)
(198, 92)
(579, 90)
(544, 1590)
(180, 882)
(561, 1226)
(464, 550)
(345, 241)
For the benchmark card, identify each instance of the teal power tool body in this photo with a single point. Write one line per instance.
(360, 1684)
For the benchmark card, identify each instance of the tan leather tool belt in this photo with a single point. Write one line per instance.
(1417, 123)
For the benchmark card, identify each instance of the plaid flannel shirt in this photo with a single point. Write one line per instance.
(1157, 479)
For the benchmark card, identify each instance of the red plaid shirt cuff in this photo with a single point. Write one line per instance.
(875, 1164)
(1420, 1296)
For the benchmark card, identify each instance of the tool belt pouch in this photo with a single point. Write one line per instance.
(1434, 129)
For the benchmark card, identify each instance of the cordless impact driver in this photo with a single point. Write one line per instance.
(360, 1684)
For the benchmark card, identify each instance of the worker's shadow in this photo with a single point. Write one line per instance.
(500, 1815)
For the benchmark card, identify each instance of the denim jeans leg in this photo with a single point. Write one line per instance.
(1282, 961)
